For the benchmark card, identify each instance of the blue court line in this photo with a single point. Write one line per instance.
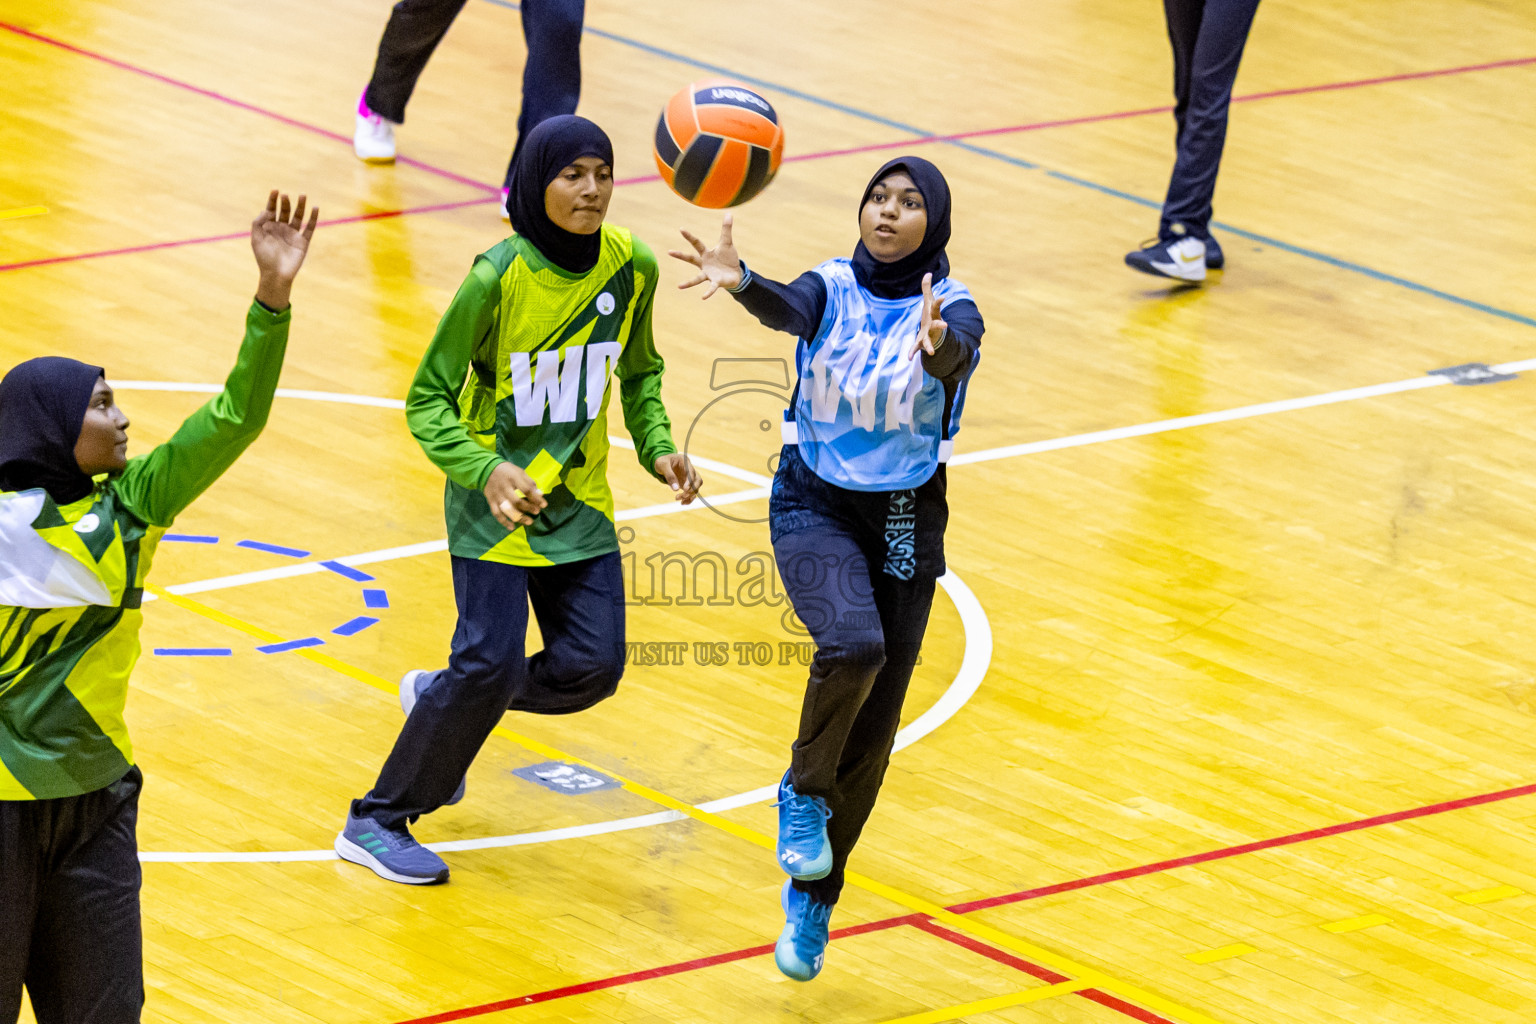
(993, 154)
(1333, 261)
(190, 538)
(375, 598)
(290, 645)
(194, 652)
(357, 625)
(356, 575)
(272, 549)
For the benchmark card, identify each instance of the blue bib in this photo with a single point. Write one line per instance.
(865, 416)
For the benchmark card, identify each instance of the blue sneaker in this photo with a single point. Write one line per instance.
(390, 852)
(803, 945)
(411, 686)
(1181, 258)
(804, 850)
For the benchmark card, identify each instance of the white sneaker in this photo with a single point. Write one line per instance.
(373, 140)
(408, 684)
(1180, 258)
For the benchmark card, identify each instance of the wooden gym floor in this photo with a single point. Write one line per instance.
(1227, 715)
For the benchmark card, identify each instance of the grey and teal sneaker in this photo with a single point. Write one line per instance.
(804, 850)
(390, 853)
(802, 947)
(411, 686)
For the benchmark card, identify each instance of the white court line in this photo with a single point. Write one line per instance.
(1224, 416)
(973, 669)
(983, 455)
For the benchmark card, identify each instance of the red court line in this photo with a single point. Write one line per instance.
(918, 920)
(1237, 851)
(928, 140)
(1036, 971)
(231, 101)
(925, 140)
(1122, 115)
(380, 215)
(717, 959)
(644, 179)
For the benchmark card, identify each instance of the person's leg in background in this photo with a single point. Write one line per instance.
(414, 30)
(552, 73)
(1207, 37)
(1211, 71)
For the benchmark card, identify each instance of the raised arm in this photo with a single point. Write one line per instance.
(157, 486)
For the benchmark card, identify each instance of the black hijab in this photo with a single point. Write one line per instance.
(42, 408)
(904, 278)
(553, 145)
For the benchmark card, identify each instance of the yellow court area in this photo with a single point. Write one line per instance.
(1225, 714)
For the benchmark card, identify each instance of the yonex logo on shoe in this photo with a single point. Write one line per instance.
(790, 856)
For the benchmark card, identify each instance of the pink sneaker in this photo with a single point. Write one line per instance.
(373, 140)
(504, 214)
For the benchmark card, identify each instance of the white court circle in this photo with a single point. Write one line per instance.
(975, 627)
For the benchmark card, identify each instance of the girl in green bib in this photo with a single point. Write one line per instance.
(511, 401)
(79, 523)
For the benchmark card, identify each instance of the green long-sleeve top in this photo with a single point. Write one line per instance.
(72, 579)
(519, 372)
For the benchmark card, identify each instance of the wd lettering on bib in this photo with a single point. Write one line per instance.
(547, 384)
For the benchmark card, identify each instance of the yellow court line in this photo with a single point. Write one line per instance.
(1210, 956)
(1085, 976)
(1503, 892)
(23, 211)
(1031, 995)
(1354, 924)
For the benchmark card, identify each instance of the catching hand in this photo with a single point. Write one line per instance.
(720, 266)
(931, 333)
(677, 470)
(280, 242)
(513, 496)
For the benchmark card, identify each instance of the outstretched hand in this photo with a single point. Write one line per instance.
(280, 240)
(930, 334)
(720, 266)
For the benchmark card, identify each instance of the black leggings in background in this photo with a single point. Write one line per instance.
(69, 907)
(860, 568)
(551, 74)
(1208, 38)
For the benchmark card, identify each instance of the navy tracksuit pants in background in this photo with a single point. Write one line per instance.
(1208, 38)
(551, 75)
(860, 568)
(580, 610)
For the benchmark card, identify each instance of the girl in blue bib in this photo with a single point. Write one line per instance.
(887, 343)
